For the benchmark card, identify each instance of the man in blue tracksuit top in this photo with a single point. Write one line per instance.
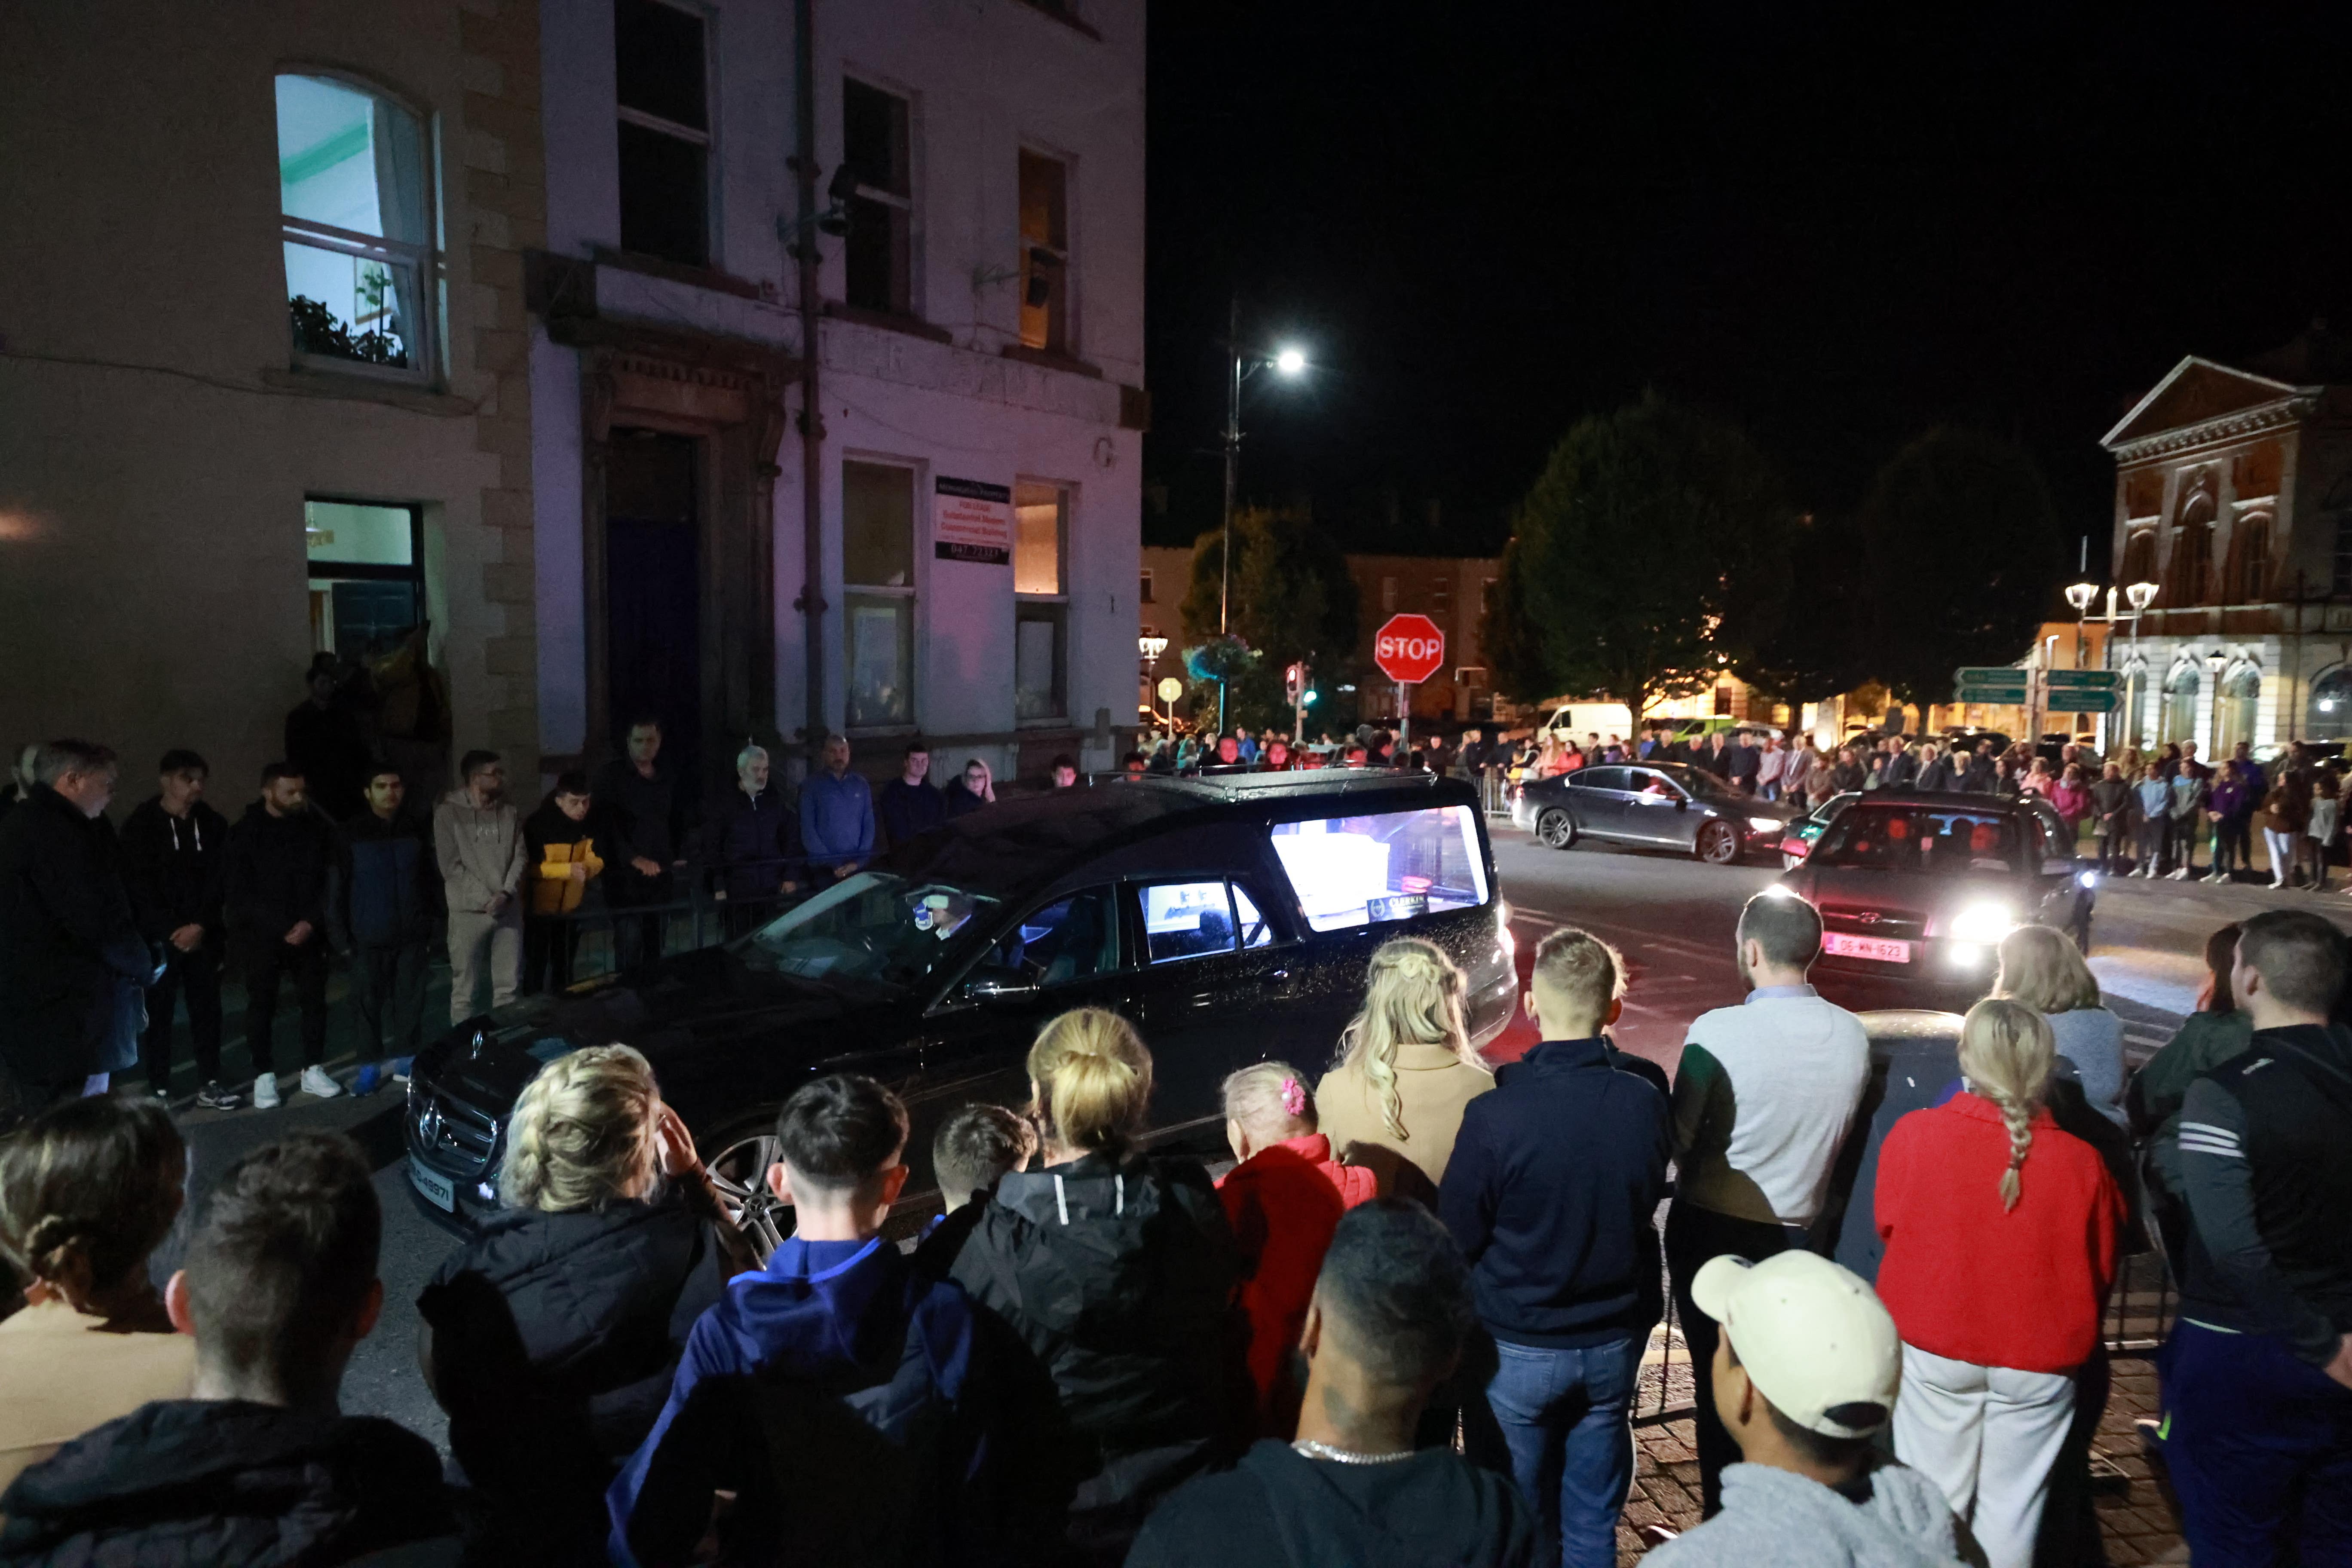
(1550, 1193)
(836, 815)
(831, 1392)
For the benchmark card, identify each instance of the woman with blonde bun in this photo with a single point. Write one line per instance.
(1406, 1068)
(1116, 1272)
(551, 1337)
(2001, 1234)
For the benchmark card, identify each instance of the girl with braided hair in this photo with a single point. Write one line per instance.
(87, 1189)
(1406, 1070)
(2001, 1234)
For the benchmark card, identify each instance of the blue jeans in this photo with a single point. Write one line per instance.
(1562, 1414)
(2259, 1445)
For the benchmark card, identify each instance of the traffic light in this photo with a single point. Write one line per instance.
(1294, 680)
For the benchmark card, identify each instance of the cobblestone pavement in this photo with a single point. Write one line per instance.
(2136, 1520)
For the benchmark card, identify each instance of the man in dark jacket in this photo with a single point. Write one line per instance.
(72, 962)
(256, 1466)
(1391, 1315)
(173, 848)
(907, 804)
(382, 891)
(274, 892)
(640, 798)
(326, 744)
(753, 843)
(2258, 1372)
(1551, 1192)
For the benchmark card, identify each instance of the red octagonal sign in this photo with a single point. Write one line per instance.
(1409, 648)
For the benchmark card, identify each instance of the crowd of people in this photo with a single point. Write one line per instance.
(108, 936)
(1407, 1326)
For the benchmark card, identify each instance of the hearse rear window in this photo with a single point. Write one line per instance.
(1390, 865)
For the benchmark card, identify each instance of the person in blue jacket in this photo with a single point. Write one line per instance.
(836, 815)
(831, 1390)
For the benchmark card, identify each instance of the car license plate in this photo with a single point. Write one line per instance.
(1871, 947)
(434, 1187)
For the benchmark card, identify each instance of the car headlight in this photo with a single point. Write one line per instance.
(2086, 879)
(1982, 923)
(1766, 824)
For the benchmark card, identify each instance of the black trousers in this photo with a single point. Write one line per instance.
(549, 945)
(1695, 1235)
(307, 967)
(196, 975)
(388, 995)
(636, 939)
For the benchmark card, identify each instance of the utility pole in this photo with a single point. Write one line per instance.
(1233, 462)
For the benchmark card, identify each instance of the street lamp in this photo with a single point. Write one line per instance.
(2140, 594)
(1290, 363)
(2080, 595)
(2214, 663)
(1151, 646)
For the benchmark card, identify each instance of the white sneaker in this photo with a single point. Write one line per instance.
(265, 1091)
(316, 1081)
(2181, 875)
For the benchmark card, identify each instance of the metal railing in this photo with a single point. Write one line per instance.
(601, 939)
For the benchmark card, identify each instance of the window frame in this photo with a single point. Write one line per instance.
(367, 570)
(1045, 607)
(705, 141)
(901, 201)
(429, 260)
(908, 594)
(1060, 303)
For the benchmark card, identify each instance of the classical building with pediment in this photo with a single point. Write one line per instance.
(2233, 498)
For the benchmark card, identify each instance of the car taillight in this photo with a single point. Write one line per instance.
(1796, 848)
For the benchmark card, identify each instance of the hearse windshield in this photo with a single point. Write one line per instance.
(1383, 865)
(1934, 840)
(872, 926)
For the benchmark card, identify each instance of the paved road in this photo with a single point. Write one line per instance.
(1672, 917)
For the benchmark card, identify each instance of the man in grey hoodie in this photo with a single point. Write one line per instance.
(478, 838)
(1805, 1369)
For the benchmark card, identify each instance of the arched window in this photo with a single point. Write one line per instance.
(2137, 726)
(356, 205)
(2250, 560)
(2139, 555)
(2241, 699)
(2192, 551)
(2330, 718)
(2179, 717)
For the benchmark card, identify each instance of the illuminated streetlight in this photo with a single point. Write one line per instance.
(1290, 362)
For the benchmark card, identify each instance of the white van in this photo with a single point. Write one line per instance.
(1575, 721)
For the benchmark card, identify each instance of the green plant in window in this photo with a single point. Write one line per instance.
(319, 330)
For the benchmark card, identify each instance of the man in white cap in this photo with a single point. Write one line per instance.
(1805, 1369)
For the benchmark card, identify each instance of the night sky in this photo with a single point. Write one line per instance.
(1835, 226)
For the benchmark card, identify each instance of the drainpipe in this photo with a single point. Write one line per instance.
(804, 248)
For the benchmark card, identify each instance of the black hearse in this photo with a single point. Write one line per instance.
(1230, 918)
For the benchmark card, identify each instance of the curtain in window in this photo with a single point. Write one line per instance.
(399, 146)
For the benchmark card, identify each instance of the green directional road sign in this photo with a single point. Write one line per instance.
(2081, 681)
(2084, 701)
(1999, 696)
(1968, 675)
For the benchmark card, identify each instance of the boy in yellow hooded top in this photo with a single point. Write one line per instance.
(560, 840)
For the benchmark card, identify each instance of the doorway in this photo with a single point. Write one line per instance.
(653, 575)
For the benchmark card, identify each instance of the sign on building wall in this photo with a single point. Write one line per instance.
(971, 520)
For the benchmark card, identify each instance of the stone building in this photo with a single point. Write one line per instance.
(2233, 496)
(263, 372)
(949, 547)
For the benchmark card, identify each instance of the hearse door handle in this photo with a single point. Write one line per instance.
(1279, 975)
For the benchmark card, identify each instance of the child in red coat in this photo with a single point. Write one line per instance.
(1284, 1199)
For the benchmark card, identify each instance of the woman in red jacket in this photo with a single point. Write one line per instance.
(1284, 1199)
(1996, 1275)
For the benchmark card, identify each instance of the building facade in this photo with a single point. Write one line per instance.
(942, 542)
(2234, 497)
(315, 434)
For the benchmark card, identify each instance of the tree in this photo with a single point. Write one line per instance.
(1514, 654)
(1651, 553)
(1292, 600)
(1963, 550)
(1821, 647)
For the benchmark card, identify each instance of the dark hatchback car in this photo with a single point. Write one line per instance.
(1916, 888)
(1231, 918)
(1650, 806)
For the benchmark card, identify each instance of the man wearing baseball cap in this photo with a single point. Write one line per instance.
(1805, 1371)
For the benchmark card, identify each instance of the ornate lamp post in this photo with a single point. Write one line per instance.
(2140, 596)
(1151, 646)
(2080, 595)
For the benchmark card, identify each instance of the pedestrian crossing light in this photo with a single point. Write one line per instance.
(1293, 681)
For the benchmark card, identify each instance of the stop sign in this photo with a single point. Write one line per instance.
(1409, 648)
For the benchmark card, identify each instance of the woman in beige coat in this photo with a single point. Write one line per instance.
(1406, 1070)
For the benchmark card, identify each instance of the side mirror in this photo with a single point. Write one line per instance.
(1682, 803)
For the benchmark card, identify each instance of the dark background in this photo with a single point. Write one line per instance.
(1836, 227)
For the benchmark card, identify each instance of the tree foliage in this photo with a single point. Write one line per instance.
(1650, 551)
(1822, 645)
(1291, 599)
(1963, 550)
